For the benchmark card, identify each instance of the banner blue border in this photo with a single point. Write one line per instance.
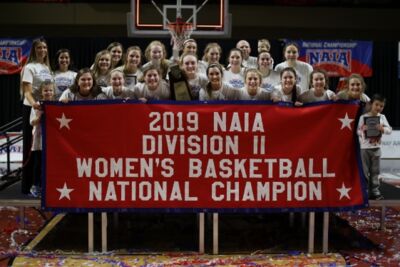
(206, 210)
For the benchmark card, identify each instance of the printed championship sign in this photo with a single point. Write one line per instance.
(13, 55)
(194, 156)
(338, 58)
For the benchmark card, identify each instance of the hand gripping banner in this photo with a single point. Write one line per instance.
(183, 157)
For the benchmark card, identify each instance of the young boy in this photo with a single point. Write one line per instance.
(370, 129)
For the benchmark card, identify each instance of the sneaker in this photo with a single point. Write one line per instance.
(35, 191)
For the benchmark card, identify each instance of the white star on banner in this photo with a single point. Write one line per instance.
(64, 192)
(64, 121)
(346, 121)
(344, 191)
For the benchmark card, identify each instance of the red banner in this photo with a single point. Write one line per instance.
(197, 157)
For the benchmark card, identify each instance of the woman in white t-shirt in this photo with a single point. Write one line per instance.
(117, 89)
(303, 69)
(131, 68)
(84, 88)
(216, 89)
(63, 76)
(318, 88)
(212, 55)
(34, 73)
(156, 55)
(153, 86)
(252, 89)
(270, 78)
(234, 75)
(287, 90)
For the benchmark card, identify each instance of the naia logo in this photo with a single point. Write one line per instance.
(10, 54)
(339, 57)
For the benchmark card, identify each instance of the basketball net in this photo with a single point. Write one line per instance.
(180, 31)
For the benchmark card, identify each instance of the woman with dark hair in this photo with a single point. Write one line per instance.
(34, 73)
(303, 69)
(319, 91)
(234, 74)
(63, 76)
(287, 90)
(116, 50)
(84, 88)
(216, 89)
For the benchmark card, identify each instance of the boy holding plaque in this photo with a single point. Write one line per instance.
(370, 129)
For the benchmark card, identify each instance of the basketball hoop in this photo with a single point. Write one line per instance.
(180, 31)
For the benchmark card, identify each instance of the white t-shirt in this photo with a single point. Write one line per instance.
(226, 92)
(281, 96)
(63, 81)
(36, 130)
(250, 63)
(270, 81)
(35, 74)
(368, 143)
(309, 96)
(197, 84)
(235, 80)
(161, 93)
(303, 71)
(67, 94)
(202, 67)
(126, 93)
(260, 95)
(103, 80)
(131, 78)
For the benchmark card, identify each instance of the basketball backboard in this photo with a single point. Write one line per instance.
(150, 18)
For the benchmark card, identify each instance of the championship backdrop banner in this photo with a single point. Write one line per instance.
(13, 55)
(201, 157)
(338, 58)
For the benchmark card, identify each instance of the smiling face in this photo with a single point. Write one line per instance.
(214, 76)
(264, 60)
(190, 48)
(64, 61)
(318, 82)
(85, 83)
(133, 58)
(156, 53)
(48, 92)
(116, 54)
(41, 51)
(117, 81)
(263, 45)
(253, 81)
(189, 65)
(355, 88)
(291, 53)
(213, 55)
(235, 58)
(288, 81)
(104, 63)
(152, 79)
